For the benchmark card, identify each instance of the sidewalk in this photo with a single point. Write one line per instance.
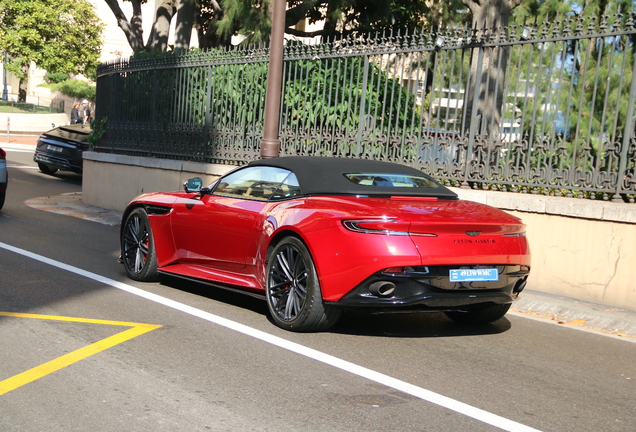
(567, 311)
(18, 141)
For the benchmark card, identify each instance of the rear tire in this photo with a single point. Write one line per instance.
(480, 316)
(46, 169)
(138, 247)
(3, 195)
(293, 291)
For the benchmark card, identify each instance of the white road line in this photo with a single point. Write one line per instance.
(421, 393)
(22, 167)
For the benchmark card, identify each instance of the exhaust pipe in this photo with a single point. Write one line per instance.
(519, 286)
(382, 288)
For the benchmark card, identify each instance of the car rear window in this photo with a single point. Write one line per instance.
(391, 180)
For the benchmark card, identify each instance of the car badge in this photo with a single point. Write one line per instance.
(473, 233)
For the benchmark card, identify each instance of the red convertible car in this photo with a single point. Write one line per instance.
(316, 235)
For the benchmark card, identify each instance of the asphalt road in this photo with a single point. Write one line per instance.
(84, 348)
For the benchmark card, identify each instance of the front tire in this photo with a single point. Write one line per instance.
(293, 291)
(46, 169)
(138, 247)
(480, 316)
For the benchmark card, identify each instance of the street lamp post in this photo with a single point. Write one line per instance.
(270, 144)
(5, 92)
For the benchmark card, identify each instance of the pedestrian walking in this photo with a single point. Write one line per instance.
(85, 113)
(75, 115)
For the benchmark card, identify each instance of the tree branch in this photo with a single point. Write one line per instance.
(134, 37)
(298, 12)
(473, 5)
(292, 31)
(136, 20)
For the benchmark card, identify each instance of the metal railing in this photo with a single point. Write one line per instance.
(546, 110)
(55, 106)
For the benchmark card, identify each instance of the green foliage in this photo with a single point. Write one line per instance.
(319, 98)
(251, 18)
(340, 17)
(234, 94)
(98, 128)
(60, 36)
(56, 77)
(75, 88)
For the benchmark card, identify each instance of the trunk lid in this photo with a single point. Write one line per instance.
(459, 232)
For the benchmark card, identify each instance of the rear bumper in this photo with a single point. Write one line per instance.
(434, 291)
(59, 162)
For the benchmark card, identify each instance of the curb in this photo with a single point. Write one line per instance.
(568, 311)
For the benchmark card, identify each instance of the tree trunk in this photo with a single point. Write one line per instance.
(185, 22)
(491, 15)
(158, 40)
(136, 23)
(206, 27)
(22, 90)
(331, 21)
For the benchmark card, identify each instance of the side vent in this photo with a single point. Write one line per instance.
(157, 210)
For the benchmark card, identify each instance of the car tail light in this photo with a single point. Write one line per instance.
(384, 226)
(3, 154)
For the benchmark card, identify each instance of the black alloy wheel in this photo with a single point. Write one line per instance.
(138, 247)
(293, 291)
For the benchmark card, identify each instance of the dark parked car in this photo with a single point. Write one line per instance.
(4, 177)
(61, 149)
(316, 235)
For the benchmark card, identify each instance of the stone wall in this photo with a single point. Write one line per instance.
(31, 124)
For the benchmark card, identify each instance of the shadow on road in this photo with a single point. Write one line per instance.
(394, 325)
(413, 325)
(65, 177)
(238, 299)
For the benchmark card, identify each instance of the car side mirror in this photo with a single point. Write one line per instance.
(193, 185)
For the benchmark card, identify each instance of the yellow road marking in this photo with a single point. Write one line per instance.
(61, 362)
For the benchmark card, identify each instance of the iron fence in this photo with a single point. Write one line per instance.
(547, 109)
(55, 106)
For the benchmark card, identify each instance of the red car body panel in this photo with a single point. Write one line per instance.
(225, 240)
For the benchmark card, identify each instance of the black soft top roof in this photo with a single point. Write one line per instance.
(325, 175)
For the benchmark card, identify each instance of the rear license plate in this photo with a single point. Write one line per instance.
(54, 148)
(474, 275)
